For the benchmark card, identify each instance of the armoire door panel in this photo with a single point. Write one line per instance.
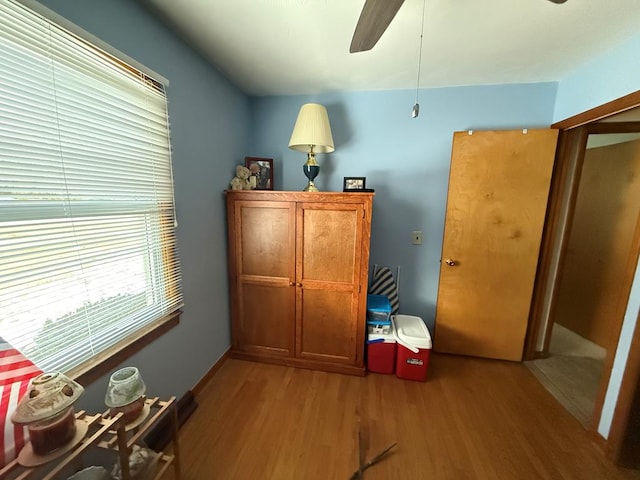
(267, 239)
(327, 326)
(330, 243)
(267, 317)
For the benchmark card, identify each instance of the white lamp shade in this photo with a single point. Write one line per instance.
(312, 128)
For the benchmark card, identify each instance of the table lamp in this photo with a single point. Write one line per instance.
(312, 134)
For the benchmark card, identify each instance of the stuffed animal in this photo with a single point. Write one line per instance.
(241, 180)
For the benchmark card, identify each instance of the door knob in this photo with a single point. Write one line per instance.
(449, 262)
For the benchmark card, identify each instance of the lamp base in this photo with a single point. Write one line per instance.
(311, 170)
(311, 187)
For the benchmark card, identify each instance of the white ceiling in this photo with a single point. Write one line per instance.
(284, 47)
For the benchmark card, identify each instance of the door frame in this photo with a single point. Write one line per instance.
(570, 153)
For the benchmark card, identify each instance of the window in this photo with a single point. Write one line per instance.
(87, 222)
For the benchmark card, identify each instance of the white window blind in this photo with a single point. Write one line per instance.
(87, 223)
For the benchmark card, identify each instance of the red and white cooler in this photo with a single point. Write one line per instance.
(381, 352)
(414, 347)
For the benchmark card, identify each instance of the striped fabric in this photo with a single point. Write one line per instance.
(384, 284)
(15, 373)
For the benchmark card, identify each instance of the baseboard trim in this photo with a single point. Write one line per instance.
(209, 375)
(162, 433)
(598, 439)
(540, 355)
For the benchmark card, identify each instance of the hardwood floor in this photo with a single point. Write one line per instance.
(471, 419)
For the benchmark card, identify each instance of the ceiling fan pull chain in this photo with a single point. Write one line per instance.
(415, 111)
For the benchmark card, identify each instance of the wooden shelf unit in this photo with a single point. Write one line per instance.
(108, 434)
(117, 440)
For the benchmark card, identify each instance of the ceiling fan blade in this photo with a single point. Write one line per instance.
(558, 1)
(374, 19)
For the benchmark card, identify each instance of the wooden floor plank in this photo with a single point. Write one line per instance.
(472, 419)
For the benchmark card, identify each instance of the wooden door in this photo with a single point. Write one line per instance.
(600, 243)
(264, 258)
(329, 246)
(498, 190)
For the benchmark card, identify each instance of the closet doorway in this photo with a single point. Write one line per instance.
(589, 300)
(621, 116)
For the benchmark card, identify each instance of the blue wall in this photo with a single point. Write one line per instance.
(601, 80)
(406, 160)
(209, 132)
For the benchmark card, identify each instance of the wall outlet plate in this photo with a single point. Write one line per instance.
(416, 237)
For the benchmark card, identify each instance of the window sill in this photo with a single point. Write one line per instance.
(111, 358)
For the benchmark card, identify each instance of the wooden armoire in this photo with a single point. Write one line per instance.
(298, 268)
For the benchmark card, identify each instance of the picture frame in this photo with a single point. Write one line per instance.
(261, 172)
(354, 184)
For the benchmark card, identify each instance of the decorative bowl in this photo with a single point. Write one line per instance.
(91, 473)
(125, 387)
(47, 410)
(48, 395)
(130, 411)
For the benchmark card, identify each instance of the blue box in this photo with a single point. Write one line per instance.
(378, 310)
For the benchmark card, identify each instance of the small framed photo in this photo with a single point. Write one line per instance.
(261, 172)
(353, 184)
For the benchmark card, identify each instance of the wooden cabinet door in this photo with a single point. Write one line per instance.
(498, 190)
(329, 251)
(263, 253)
